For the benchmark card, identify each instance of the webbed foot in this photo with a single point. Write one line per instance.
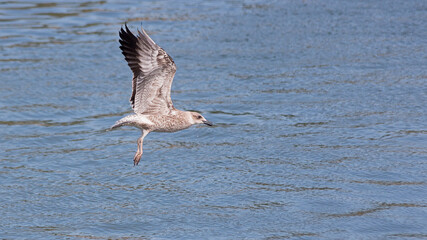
(137, 158)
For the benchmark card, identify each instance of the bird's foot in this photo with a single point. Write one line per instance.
(137, 158)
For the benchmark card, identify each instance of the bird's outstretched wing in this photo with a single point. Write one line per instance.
(153, 71)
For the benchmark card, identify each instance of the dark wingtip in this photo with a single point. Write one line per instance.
(127, 29)
(127, 37)
(124, 30)
(121, 28)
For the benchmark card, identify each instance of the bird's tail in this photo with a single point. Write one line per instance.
(126, 121)
(116, 125)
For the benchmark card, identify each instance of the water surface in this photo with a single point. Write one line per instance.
(319, 110)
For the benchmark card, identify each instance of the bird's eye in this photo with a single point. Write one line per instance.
(199, 117)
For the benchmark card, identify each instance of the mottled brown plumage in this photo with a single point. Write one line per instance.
(153, 71)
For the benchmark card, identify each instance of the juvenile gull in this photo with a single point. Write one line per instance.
(153, 71)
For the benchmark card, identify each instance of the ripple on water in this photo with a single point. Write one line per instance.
(318, 109)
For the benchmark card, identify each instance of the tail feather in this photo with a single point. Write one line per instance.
(126, 121)
(116, 125)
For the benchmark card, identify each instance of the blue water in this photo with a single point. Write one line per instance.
(319, 110)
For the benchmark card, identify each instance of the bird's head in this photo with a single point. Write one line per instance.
(197, 118)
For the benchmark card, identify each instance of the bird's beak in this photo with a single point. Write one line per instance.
(208, 123)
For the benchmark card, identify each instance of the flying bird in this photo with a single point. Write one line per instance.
(153, 71)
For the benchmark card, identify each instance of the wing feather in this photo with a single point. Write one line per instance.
(153, 71)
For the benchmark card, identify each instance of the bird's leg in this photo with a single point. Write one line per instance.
(138, 153)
